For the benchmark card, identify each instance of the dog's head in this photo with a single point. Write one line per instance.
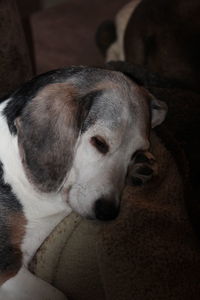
(79, 131)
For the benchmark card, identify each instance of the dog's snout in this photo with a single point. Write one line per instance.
(106, 209)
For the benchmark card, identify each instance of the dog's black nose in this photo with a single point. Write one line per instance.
(106, 210)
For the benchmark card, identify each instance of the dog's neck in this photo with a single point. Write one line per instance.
(15, 176)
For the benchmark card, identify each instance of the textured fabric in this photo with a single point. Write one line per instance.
(15, 65)
(68, 259)
(151, 252)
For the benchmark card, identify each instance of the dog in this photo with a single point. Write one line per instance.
(162, 36)
(70, 140)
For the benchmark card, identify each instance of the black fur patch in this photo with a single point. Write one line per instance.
(7, 198)
(91, 117)
(5, 97)
(9, 255)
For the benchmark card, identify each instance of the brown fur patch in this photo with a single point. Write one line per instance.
(16, 225)
(7, 275)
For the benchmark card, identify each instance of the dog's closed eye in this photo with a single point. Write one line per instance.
(100, 144)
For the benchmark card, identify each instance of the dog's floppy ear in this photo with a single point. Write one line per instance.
(158, 111)
(47, 130)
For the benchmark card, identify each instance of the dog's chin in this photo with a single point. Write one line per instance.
(77, 209)
(90, 218)
(72, 197)
(84, 215)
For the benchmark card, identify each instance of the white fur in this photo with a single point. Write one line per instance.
(116, 50)
(42, 211)
(26, 286)
(93, 175)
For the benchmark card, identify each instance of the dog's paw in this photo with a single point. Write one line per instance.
(143, 169)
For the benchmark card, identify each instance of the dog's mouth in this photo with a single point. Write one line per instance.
(65, 194)
(101, 208)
